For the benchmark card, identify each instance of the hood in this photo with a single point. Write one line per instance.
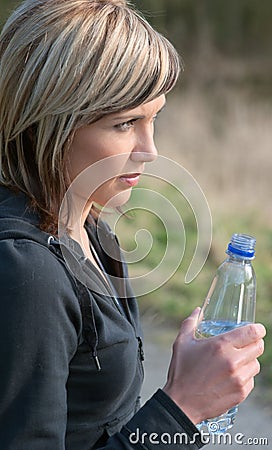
(17, 218)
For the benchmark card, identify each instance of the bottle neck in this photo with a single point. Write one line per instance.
(238, 258)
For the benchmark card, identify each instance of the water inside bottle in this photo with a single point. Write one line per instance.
(208, 328)
(225, 421)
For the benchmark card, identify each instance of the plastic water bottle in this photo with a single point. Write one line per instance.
(230, 303)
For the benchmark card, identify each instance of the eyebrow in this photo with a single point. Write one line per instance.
(136, 116)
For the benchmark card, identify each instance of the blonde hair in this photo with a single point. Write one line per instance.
(65, 64)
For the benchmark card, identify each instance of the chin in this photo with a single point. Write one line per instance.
(119, 199)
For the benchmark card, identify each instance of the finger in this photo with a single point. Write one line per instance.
(252, 352)
(188, 326)
(252, 370)
(238, 391)
(248, 334)
(244, 381)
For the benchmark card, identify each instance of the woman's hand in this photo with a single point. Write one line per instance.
(209, 376)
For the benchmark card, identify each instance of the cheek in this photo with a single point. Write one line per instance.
(86, 149)
(81, 158)
(98, 157)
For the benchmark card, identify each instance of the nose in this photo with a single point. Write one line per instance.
(145, 149)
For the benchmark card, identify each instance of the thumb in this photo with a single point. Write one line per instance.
(188, 326)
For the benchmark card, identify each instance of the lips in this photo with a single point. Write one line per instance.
(130, 179)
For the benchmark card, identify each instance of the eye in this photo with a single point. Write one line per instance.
(125, 126)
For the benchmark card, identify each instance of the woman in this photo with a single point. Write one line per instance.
(82, 82)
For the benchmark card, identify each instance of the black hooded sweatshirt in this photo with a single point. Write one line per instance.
(70, 350)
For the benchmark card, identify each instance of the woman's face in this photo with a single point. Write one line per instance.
(115, 150)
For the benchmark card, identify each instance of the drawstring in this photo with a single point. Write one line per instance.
(141, 348)
(94, 349)
(87, 308)
(90, 336)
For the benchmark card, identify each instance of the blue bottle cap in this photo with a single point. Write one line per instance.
(242, 245)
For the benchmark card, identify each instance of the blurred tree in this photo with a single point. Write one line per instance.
(230, 40)
(203, 30)
(235, 26)
(6, 6)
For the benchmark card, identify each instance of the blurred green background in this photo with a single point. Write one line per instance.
(218, 126)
